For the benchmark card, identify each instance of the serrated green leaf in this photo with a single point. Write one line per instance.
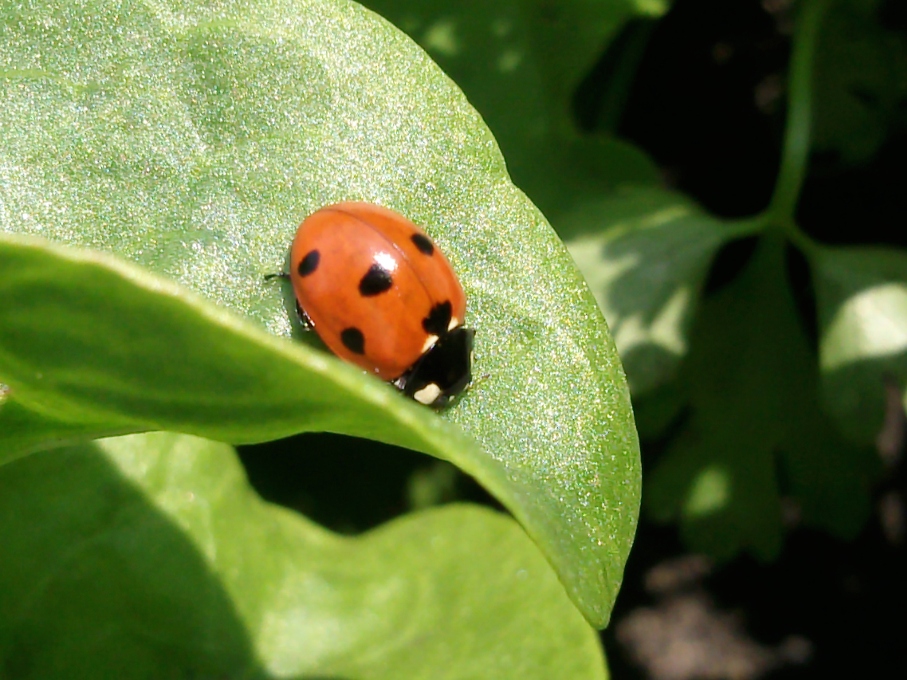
(717, 476)
(191, 138)
(755, 431)
(862, 302)
(645, 253)
(149, 556)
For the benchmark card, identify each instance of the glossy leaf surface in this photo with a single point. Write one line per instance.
(192, 138)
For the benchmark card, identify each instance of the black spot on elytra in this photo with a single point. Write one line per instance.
(353, 340)
(438, 319)
(423, 244)
(309, 263)
(376, 281)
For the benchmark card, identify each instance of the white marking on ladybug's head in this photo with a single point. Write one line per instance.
(429, 343)
(428, 394)
(454, 322)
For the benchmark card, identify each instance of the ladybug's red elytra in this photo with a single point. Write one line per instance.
(381, 295)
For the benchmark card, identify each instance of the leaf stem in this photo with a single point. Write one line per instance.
(795, 153)
(746, 226)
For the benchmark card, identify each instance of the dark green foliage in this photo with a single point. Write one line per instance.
(154, 163)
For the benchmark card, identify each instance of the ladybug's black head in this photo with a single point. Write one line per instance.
(443, 371)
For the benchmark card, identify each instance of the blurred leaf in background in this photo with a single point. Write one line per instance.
(521, 63)
(860, 84)
(861, 295)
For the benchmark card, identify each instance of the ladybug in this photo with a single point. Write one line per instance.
(382, 296)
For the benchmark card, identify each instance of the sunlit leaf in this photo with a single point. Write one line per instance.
(645, 254)
(191, 139)
(862, 301)
(148, 557)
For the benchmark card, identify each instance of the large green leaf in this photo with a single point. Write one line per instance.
(26, 430)
(191, 138)
(862, 301)
(149, 557)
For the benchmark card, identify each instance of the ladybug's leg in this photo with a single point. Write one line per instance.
(400, 383)
(304, 319)
(280, 275)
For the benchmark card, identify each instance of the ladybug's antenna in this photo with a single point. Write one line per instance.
(279, 275)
